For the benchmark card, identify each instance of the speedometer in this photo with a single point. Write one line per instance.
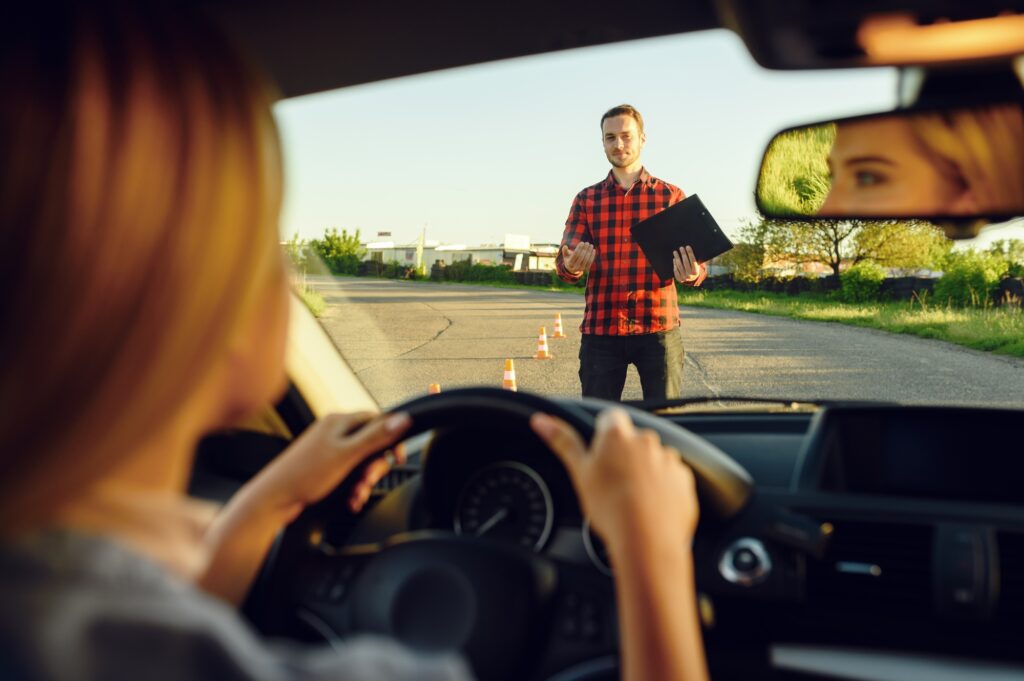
(509, 501)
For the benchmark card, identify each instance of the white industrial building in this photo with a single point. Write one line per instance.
(517, 252)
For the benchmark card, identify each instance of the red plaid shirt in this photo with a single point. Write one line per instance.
(625, 296)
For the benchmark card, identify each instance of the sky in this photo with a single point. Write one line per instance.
(474, 153)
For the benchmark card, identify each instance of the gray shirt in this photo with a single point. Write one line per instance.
(79, 608)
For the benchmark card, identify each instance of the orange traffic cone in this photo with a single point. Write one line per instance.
(542, 345)
(558, 327)
(434, 389)
(509, 381)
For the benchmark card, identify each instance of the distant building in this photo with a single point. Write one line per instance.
(524, 256)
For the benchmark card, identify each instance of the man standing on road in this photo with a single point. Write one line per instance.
(632, 315)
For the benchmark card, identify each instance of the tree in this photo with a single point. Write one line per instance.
(341, 253)
(833, 243)
(1011, 254)
(297, 251)
(746, 258)
(907, 245)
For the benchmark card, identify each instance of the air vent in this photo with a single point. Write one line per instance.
(1011, 576)
(394, 478)
(868, 564)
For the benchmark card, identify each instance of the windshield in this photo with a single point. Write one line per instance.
(426, 215)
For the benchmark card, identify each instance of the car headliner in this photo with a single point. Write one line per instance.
(311, 46)
(314, 45)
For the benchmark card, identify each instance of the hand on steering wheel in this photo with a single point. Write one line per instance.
(328, 452)
(488, 599)
(628, 483)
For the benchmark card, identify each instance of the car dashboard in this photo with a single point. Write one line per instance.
(888, 537)
(880, 542)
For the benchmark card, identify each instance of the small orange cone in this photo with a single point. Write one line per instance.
(558, 327)
(509, 381)
(542, 345)
(434, 389)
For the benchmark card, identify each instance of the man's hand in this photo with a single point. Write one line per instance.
(685, 265)
(580, 259)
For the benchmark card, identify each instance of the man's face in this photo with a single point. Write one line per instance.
(622, 140)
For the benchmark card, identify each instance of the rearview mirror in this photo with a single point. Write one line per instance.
(958, 164)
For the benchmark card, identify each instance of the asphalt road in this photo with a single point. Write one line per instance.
(401, 336)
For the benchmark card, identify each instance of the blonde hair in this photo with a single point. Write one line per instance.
(981, 147)
(139, 195)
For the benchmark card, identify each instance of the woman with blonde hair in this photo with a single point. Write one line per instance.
(140, 185)
(963, 162)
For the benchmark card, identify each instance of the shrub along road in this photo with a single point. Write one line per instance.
(401, 336)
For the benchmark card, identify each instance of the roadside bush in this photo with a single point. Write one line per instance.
(775, 284)
(341, 253)
(394, 270)
(389, 270)
(1011, 254)
(799, 285)
(297, 251)
(464, 270)
(457, 271)
(501, 273)
(969, 279)
(556, 281)
(861, 283)
(821, 285)
(1010, 292)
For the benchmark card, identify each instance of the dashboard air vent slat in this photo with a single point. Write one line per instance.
(872, 564)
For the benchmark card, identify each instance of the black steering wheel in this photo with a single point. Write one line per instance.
(503, 607)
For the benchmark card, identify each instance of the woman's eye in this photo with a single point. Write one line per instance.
(867, 178)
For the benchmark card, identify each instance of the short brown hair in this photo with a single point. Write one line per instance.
(623, 110)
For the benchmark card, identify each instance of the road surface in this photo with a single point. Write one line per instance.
(402, 336)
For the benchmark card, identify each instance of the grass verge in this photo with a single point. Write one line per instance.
(313, 300)
(998, 330)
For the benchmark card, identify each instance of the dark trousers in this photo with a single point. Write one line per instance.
(658, 358)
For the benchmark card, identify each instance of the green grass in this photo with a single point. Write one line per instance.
(998, 330)
(313, 300)
(794, 178)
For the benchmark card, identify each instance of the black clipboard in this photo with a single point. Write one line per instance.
(687, 223)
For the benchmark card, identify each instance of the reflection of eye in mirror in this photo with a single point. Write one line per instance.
(966, 162)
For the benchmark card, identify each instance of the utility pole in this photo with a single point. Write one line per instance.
(419, 250)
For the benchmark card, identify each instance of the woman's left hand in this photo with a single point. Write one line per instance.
(307, 471)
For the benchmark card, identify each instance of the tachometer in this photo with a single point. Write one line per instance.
(506, 500)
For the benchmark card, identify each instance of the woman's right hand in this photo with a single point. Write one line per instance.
(642, 500)
(630, 486)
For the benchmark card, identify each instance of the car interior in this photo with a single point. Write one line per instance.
(856, 540)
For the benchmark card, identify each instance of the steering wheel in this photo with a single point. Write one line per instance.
(496, 603)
